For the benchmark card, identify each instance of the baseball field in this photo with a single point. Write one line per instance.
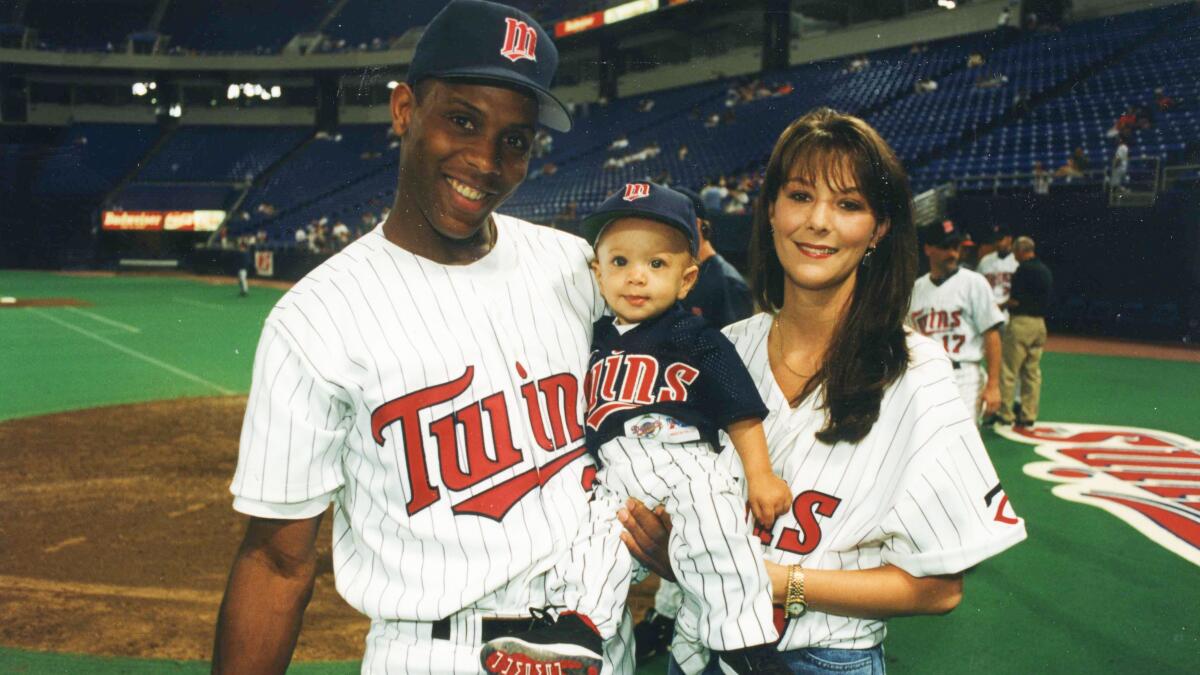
(121, 400)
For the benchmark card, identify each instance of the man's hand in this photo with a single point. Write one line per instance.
(646, 535)
(989, 399)
(770, 497)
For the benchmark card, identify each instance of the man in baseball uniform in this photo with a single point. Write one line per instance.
(999, 266)
(956, 307)
(427, 382)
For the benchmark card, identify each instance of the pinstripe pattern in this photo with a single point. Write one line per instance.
(713, 554)
(911, 494)
(375, 324)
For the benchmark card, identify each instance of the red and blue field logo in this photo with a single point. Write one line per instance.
(1148, 478)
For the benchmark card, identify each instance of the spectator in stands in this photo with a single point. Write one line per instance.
(738, 202)
(543, 143)
(992, 81)
(1119, 167)
(1077, 164)
(712, 120)
(858, 64)
(619, 143)
(713, 195)
(1041, 179)
(784, 89)
(341, 235)
(645, 105)
(1124, 125)
(1162, 102)
(975, 60)
(301, 237)
(925, 85)
(682, 153)
(567, 218)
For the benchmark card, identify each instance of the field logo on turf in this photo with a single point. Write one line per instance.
(1148, 478)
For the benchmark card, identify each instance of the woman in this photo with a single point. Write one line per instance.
(894, 493)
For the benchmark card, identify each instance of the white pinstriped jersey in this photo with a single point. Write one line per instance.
(955, 313)
(999, 271)
(918, 492)
(438, 407)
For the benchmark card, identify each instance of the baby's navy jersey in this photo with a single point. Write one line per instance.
(673, 378)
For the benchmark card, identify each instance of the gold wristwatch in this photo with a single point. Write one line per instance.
(794, 605)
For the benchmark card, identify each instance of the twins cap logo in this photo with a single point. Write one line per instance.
(635, 191)
(1148, 478)
(520, 41)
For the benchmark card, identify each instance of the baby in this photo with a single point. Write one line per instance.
(661, 384)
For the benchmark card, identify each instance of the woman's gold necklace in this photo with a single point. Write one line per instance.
(779, 348)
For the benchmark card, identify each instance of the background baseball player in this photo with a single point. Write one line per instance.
(426, 381)
(956, 307)
(661, 383)
(999, 265)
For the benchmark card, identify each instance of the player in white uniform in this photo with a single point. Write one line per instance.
(894, 493)
(426, 381)
(956, 307)
(999, 266)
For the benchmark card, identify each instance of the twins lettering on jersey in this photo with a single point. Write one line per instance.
(550, 405)
(622, 381)
(808, 505)
(932, 322)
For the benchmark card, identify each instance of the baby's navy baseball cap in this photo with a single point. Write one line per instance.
(645, 200)
(477, 40)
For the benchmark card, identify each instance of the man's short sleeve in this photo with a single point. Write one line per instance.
(293, 434)
(984, 310)
(949, 512)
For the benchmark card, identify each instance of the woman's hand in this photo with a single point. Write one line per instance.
(646, 534)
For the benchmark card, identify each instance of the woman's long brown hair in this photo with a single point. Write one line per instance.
(868, 351)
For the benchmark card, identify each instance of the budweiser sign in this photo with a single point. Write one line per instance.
(133, 220)
(1148, 478)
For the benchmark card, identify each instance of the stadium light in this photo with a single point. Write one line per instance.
(265, 95)
(232, 92)
(175, 110)
(947, 4)
(139, 88)
(276, 91)
(393, 84)
(154, 85)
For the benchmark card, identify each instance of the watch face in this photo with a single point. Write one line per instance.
(796, 609)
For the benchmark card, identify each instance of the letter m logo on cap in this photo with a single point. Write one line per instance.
(520, 41)
(634, 191)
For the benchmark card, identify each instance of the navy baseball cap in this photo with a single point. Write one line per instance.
(944, 234)
(477, 40)
(645, 200)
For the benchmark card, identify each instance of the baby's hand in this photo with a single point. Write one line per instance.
(770, 497)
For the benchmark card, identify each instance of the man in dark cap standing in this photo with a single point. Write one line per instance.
(426, 381)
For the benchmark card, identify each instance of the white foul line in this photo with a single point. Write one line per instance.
(134, 353)
(104, 319)
(197, 303)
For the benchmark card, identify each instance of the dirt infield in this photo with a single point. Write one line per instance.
(117, 534)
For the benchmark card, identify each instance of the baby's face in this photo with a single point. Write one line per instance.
(643, 267)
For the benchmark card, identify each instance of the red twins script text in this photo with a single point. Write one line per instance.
(553, 399)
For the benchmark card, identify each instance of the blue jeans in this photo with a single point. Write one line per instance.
(817, 661)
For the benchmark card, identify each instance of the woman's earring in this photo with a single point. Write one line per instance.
(866, 259)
